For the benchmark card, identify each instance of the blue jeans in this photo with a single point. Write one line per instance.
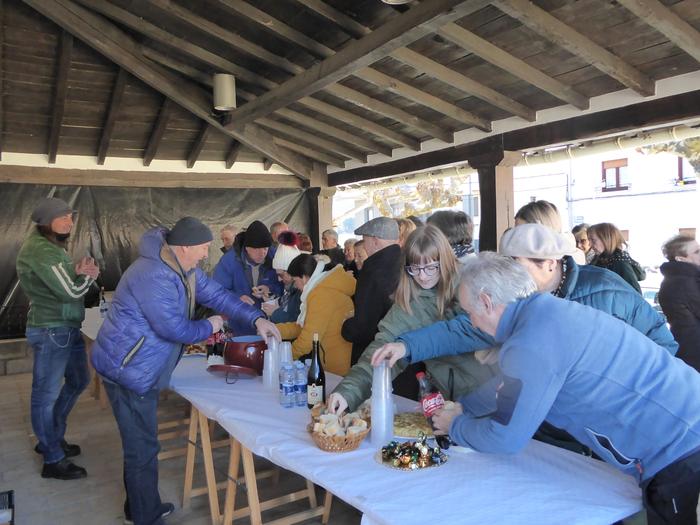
(138, 425)
(60, 375)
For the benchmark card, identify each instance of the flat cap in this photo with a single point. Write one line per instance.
(380, 227)
(49, 209)
(536, 241)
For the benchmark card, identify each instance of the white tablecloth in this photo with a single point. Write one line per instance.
(540, 485)
(91, 323)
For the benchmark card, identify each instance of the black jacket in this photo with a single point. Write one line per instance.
(375, 286)
(336, 255)
(679, 297)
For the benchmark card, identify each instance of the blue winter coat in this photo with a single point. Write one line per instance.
(230, 273)
(614, 390)
(589, 285)
(141, 339)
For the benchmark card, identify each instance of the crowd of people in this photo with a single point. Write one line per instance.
(548, 338)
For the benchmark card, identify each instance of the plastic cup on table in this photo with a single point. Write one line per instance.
(286, 352)
(271, 360)
(382, 406)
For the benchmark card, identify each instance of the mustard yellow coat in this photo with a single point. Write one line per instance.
(327, 306)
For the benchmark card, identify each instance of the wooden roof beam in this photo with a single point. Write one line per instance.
(322, 143)
(551, 28)
(426, 65)
(519, 68)
(668, 23)
(152, 31)
(112, 112)
(232, 154)
(313, 153)
(2, 68)
(349, 95)
(158, 131)
(122, 49)
(198, 145)
(60, 92)
(267, 164)
(415, 23)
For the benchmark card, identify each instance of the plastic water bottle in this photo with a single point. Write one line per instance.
(287, 396)
(300, 383)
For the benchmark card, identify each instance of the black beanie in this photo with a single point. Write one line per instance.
(189, 231)
(257, 236)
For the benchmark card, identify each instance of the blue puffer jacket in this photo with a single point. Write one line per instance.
(611, 388)
(141, 339)
(230, 273)
(596, 287)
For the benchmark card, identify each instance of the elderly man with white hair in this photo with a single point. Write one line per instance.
(631, 402)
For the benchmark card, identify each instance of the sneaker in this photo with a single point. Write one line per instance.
(69, 450)
(166, 509)
(64, 469)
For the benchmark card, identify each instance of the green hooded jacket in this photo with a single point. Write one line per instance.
(468, 373)
(47, 276)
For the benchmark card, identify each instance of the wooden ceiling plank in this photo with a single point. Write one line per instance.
(415, 23)
(229, 37)
(463, 83)
(150, 30)
(668, 23)
(398, 114)
(122, 49)
(112, 112)
(551, 28)
(144, 27)
(426, 65)
(232, 154)
(158, 131)
(350, 95)
(198, 145)
(2, 73)
(60, 92)
(519, 68)
(312, 139)
(363, 124)
(311, 153)
(438, 104)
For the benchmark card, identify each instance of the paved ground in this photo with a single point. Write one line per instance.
(98, 499)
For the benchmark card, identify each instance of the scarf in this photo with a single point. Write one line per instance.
(460, 250)
(315, 278)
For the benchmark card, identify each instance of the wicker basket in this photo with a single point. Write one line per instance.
(337, 443)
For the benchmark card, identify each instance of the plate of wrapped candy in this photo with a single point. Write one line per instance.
(411, 455)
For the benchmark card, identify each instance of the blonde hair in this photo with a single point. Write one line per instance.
(609, 235)
(540, 212)
(406, 228)
(424, 245)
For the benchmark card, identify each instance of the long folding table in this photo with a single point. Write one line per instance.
(542, 484)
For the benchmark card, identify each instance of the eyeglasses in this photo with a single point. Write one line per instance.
(429, 269)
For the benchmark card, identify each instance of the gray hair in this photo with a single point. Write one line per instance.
(501, 278)
(331, 233)
(230, 228)
(349, 241)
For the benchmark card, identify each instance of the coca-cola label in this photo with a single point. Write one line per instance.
(431, 403)
(314, 394)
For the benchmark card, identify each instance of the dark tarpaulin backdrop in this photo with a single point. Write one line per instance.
(111, 220)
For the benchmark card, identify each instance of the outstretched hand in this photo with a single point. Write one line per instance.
(390, 351)
(267, 329)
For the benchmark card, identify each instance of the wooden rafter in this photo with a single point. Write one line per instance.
(424, 64)
(60, 92)
(232, 154)
(158, 131)
(576, 43)
(220, 64)
(312, 139)
(198, 144)
(112, 112)
(314, 153)
(2, 68)
(521, 69)
(668, 23)
(113, 43)
(401, 31)
(349, 95)
(267, 164)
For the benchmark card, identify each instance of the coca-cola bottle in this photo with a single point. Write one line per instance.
(431, 401)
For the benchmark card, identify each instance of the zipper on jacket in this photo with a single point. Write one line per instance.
(133, 351)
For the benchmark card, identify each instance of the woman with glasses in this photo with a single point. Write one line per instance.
(425, 294)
